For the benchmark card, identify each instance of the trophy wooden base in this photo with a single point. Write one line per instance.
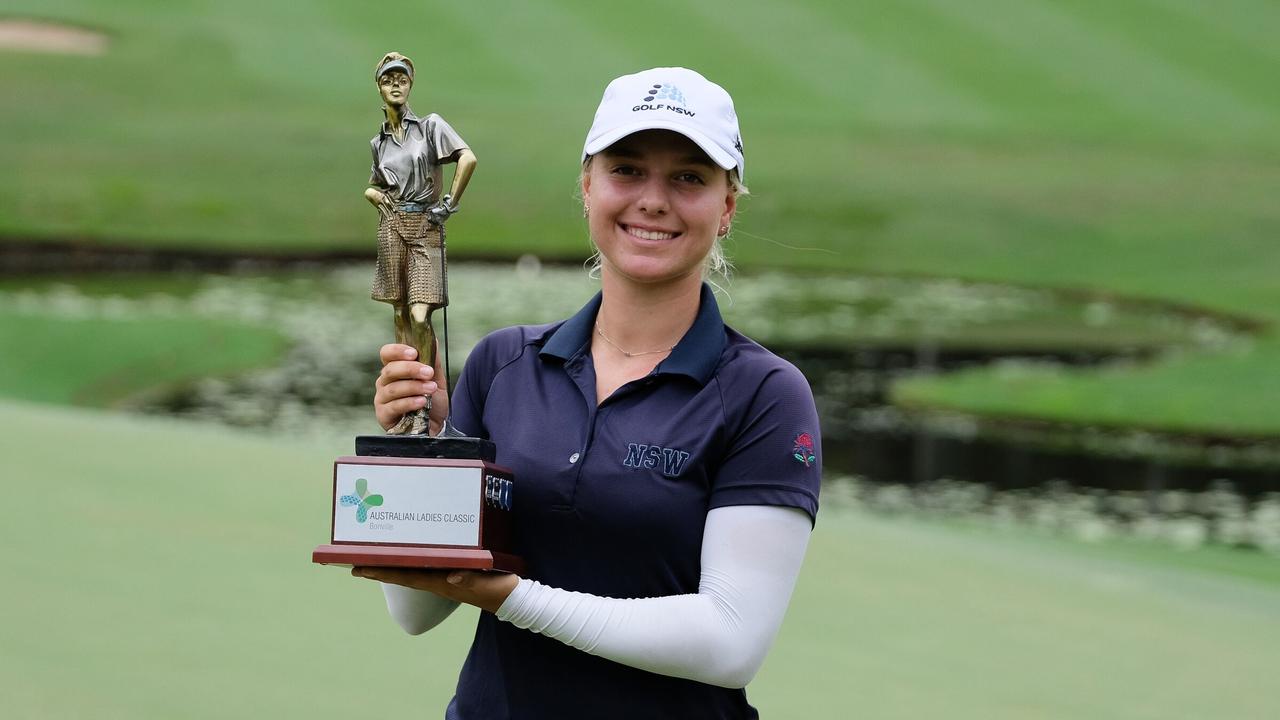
(408, 557)
(419, 507)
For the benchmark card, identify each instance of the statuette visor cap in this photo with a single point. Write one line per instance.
(673, 98)
(390, 65)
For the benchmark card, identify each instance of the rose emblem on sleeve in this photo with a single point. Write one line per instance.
(803, 450)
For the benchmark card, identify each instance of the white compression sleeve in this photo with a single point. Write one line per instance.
(751, 556)
(416, 611)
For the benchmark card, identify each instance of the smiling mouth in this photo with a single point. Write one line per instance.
(649, 234)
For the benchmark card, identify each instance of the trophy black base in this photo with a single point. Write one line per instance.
(424, 446)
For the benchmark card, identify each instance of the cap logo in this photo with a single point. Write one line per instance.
(664, 91)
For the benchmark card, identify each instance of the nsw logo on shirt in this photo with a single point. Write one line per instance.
(669, 460)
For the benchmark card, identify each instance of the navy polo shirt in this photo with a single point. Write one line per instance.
(610, 498)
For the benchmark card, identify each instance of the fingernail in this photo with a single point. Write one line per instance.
(419, 401)
(426, 371)
(429, 388)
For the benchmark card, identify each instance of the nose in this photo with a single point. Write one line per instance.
(653, 198)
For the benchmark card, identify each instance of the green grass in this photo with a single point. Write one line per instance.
(161, 569)
(1131, 148)
(1238, 389)
(99, 363)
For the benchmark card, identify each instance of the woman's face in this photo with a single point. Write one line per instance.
(656, 204)
(394, 87)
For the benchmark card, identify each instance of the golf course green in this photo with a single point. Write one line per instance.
(1130, 149)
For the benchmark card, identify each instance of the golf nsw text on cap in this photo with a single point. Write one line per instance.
(676, 99)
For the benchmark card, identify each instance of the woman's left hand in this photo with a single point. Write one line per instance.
(485, 590)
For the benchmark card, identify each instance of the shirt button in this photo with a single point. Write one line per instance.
(573, 458)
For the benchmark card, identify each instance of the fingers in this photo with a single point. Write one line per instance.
(438, 581)
(388, 414)
(420, 384)
(419, 579)
(401, 380)
(395, 399)
(404, 370)
(404, 384)
(485, 590)
(395, 351)
(401, 389)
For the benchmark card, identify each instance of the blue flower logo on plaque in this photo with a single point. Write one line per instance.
(362, 500)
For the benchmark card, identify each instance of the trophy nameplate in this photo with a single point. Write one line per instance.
(421, 513)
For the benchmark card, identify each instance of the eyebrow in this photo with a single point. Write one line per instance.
(629, 153)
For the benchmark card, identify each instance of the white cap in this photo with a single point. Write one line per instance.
(676, 99)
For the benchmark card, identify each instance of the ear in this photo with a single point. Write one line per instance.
(730, 208)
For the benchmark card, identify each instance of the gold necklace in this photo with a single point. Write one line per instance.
(600, 331)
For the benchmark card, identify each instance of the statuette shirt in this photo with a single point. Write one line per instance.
(409, 169)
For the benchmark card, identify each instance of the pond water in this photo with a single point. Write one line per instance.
(852, 336)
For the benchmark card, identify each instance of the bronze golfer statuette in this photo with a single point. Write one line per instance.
(408, 498)
(405, 181)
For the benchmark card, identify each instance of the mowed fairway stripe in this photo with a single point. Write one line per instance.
(1128, 76)
(1020, 96)
(1252, 23)
(834, 62)
(556, 54)
(1202, 53)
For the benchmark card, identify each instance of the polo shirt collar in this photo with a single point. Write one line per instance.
(405, 121)
(695, 356)
(573, 334)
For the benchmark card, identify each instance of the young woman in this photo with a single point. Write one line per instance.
(667, 467)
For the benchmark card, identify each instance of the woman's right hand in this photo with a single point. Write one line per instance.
(403, 386)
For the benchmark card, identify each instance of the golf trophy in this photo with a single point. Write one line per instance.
(409, 499)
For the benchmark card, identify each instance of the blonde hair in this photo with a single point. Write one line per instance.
(716, 262)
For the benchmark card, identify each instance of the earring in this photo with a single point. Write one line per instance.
(724, 230)
(585, 209)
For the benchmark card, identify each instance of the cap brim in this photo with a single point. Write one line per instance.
(394, 65)
(714, 151)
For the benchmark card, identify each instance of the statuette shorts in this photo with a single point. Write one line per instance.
(411, 261)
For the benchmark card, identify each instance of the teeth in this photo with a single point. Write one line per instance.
(650, 235)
